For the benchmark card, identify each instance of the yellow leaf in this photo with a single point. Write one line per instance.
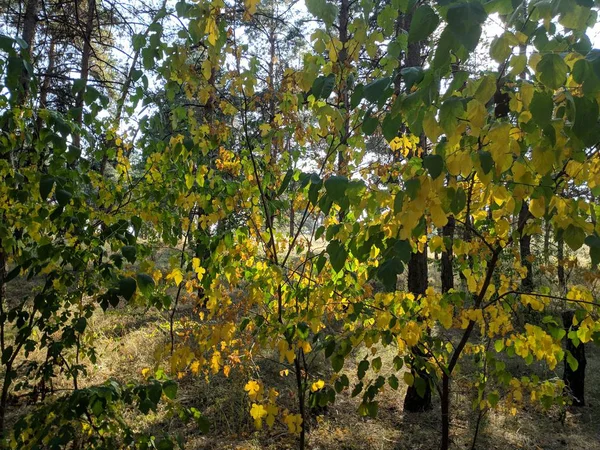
(409, 378)
(251, 6)
(537, 207)
(317, 385)
(212, 30)
(254, 389)
(431, 127)
(258, 411)
(411, 333)
(294, 423)
(176, 276)
(215, 362)
(438, 216)
(206, 69)
(272, 411)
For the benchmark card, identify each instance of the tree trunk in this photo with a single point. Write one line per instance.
(29, 26)
(417, 265)
(574, 379)
(525, 249)
(84, 71)
(447, 273)
(547, 229)
(343, 94)
(445, 444)
(560, 255)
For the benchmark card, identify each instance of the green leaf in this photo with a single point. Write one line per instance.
(146, 283)
(170, 389)
(541, 108)
(459, 201)
(573, 363)
(390, 126)
(424, 22)
(337, 255)
(434, 164)
(286, 181)
(464, 22)
(411, 76)
(91, 95)
(553, 70)
(363, 366)
(412, 187)
(357, 389)
(500, 49)
(12, 274)
(129, 253)
(388, 273)
(6, 354)
(127, 286)
(46, 185)
(586, 119)
(574, 237)
(323, 86)
(80, 324)
(593, 242)
(63, 197)
(593, 57)
(372, 408)
(369, 124)
(336, 188)
(499, 345)
(323, 10)
(337, 362)
(398, 202)
(493, 398)
(78, 86)
(486, 161)
(375, 89)
(393, 382)
(376, 364)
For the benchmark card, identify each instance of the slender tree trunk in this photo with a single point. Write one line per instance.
(85, 69)
(417, 265)
(547, 230)
(343, 94)
(447, 273)
(301, 403)
(29, 26)
(445, 444)
(560, 255)
(525, 249)
(4, 398)
(574, 379)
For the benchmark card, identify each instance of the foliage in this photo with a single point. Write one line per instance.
(290, 233)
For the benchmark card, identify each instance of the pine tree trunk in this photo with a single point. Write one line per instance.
(29, 26)
(547, 229)
(84, 72)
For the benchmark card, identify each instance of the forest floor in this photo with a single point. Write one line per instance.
(127, 338)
